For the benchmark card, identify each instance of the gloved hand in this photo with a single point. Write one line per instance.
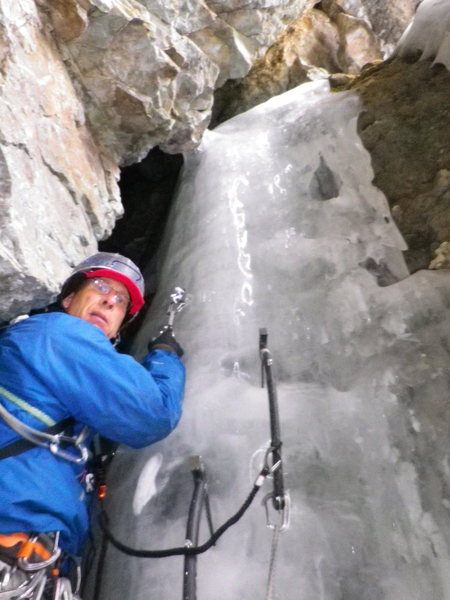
(166, 341)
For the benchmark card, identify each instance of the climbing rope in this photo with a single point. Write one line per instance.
(279, 498)
(183, 550)
(272, 563)
(275, 444)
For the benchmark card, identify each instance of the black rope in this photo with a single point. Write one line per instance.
(199, 494)
(278, 497)
(100, 567)
(208, 511)
(183, 550)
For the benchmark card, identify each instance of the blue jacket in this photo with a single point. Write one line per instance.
(65, 367)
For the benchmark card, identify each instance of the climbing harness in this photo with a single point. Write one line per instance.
(104, 452)
(30, 568)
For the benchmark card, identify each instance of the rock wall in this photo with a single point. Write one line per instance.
(322, 41)
(89, 86)
(404, 125)
(387, 19)
(58, 190)
(333, 36)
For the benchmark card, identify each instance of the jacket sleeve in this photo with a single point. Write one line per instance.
(125, 401)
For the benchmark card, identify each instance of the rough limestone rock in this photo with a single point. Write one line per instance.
(232, 34)
(404, 125)
(261, 21)
(323, 40)
(142, 83)
(387, 18)
(58, 191)
(147, 70)
(442, 259)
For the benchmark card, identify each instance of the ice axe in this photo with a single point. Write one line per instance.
(166, 336)
(178, 301)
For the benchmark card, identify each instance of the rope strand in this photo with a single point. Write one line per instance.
(183, 550)
(272, 564)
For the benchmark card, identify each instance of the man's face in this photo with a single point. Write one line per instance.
(101, 309)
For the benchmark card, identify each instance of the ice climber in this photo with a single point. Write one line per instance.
(59, 369)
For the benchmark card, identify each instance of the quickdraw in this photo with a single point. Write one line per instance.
(279, 496)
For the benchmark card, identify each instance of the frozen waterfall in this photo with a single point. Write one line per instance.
(276, 224)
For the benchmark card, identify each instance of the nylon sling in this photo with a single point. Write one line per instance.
(23, 445)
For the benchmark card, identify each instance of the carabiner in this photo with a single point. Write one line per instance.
(27, 550)
(56, 449)
(177, 303)
(284, 513)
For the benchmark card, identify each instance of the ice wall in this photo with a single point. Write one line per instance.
(429, 33)
(276, 224)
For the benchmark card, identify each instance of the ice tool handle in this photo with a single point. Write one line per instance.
(177, 303)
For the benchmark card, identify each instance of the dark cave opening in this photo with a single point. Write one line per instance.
(147, 189)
